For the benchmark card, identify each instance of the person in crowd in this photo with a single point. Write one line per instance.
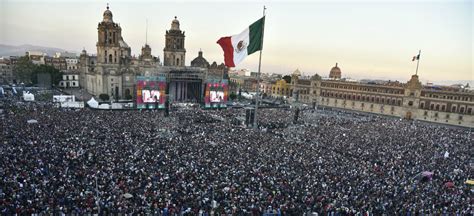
(197, 162)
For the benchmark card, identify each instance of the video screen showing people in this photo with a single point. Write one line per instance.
(151, 96)
(216, 96)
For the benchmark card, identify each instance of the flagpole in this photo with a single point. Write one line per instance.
(417, 62)
(255, 122)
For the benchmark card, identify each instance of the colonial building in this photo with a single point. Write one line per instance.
(6, 71)
(36, 57)
(174, 51)
(335, 73)
(56, 62)
(114, 71)
(69, 80)
(409, 100)
(281, 89)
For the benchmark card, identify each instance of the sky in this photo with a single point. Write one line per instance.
(368, 39)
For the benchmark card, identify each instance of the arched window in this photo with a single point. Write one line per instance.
(110, 58)
(177, 62)
(432, 107)
(453, 109)
(437, 107)
(461, 110)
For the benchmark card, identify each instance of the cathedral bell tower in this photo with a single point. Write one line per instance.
(110, 46)
(174, 51)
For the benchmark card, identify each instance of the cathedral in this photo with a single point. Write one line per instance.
(114, 71)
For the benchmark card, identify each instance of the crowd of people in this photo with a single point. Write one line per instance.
(198, 162)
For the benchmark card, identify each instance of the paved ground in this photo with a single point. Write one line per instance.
(81, 94)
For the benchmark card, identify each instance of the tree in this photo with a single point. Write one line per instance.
(232, 96)
(104, 97)
(24, 69)
(287, 78)
(56, 75)
(128, 97)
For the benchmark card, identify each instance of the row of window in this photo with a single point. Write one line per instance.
(64, 84)
(175, 43)
(373, 99)
(444, 108)
(111, 39)
(71, 77)
(447, 116)
(449, 97)
(362, 105)
(363, 88)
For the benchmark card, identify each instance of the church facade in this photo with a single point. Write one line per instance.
(113, 71)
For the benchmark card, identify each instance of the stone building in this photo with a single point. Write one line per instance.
(281, 89)
(69, 80)
(36, 57)
(114, 71)
(174, 51)
(335, 73)
(410, 100)
(56, 62)
(6, 71)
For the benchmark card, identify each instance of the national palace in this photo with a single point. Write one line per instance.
(410, 100)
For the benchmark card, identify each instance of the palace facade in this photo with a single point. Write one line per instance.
(410, 100)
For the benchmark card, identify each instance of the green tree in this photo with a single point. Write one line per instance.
(287, 78)
(128, 97)
(56, 75)
(232, 96)
(24, 70)
(104, 97)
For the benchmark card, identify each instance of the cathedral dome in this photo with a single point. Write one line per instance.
(108, 15)
(200, 61)
(297, 72)
(335, 72)
(175, 24)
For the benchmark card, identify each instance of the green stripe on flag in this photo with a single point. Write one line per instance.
(255, 36)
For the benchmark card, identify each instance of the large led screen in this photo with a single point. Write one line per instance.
(216, 94)
(151, 92)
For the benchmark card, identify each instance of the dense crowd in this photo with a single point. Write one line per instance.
(198, 162)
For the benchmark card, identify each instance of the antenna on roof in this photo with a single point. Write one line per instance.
(146, 32)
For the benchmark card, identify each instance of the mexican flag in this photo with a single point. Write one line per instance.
(239, 46)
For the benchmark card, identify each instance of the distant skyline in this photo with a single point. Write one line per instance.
(368, 39)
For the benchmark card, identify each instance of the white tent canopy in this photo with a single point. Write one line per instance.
(32, 121)
(93, 103)
(27, 96)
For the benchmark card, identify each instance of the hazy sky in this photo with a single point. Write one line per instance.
(369, 39)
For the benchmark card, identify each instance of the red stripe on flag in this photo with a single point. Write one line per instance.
(226, 44)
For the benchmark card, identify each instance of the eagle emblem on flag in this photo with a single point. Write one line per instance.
(240, 46)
